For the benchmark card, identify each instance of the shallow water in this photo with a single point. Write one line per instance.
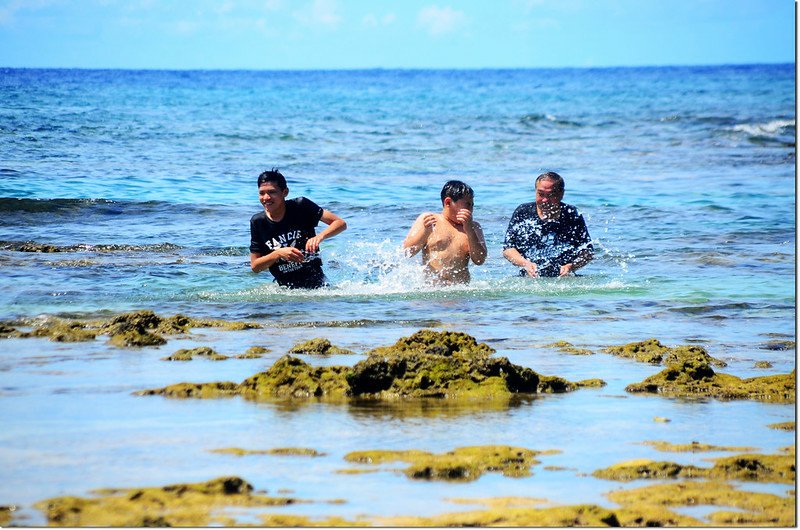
(146, 180)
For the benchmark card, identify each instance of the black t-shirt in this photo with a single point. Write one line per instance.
(296, 227)
(549, 244)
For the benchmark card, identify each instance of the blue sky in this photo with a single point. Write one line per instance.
(336, 34)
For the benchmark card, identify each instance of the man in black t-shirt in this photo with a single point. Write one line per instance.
(547, 237)
(283, 237)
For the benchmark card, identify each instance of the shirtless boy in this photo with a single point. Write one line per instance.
(448, 240)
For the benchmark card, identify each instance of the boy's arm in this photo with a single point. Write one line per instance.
(260, 262)
(336, 225)
(477, 244)
(419, 233)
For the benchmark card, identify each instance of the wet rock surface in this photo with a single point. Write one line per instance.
(695, 378)
(428, 364)
(461, 464)
(136, 329)
(174, 505)
(653, 352)
(318, 347)
(278, 451)
(203, 352)
(778, 468)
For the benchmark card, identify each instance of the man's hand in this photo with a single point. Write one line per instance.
(530, 268)
(290, 254)
(312, 245)
(429, 220)
(464, 218)
(565, 269)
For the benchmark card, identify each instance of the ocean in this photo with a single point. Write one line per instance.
(144, 183)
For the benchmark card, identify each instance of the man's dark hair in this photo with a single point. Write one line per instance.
(456, 190)
(552, 176)
(274, 176)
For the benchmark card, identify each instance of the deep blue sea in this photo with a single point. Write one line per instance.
(146, 181)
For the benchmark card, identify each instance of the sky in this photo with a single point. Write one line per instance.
(362, 34)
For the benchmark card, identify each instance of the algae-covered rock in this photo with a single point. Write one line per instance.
(278, 451)
(566, 347)
(759, 508)
(7, 514)
(292, 377)
(189, 354)
(693, 447)
(175, 505)
(785, 426)
(254, 352)
(762, 364)
(319, 347)
(696, 378)
(428, 364)
(461, 464)
(194, 390)
(588, 515)
(653, 352)
(59, 330)
(133, 329)
(778, 468)
(779, 345)
(443, 343)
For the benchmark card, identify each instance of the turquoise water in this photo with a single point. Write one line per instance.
(146, 182)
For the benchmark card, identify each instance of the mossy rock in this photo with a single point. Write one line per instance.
(784, 426)
(189, 354)
(292, 377)
(442, 343)
(695, 378)
(278, 451)
(566, 347)
(319, 347)
(174, 505)
(59, 330)
(653, 352)
(254, 352)
(759, 508)
(693, 447)
(462, 464)
(779, 345)
(778, 468)
(762, 364)
(194, 390)
(587, 515)
(426, 365)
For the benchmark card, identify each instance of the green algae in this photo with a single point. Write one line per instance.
(560, 516)
(278, 451)
(302, 521)
(428, 364)
(189, 354)
(136, 329)
(254, 352)
(460, 464)
(653, 352)
(566, 347)
(194, 390)
(762, 364)
(174, 505)
(693, 447)
(319, 346)
(785, 426)
(760, 508)
(696, 378)
(778, 468)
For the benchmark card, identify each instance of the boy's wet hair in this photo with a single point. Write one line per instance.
(553, 177)
(274, 176)
(456, 190)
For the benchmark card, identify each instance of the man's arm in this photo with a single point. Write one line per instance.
(584, 256)
(336, 225)
(513, 255)
(477, 245)
(419, 233)
(260, 262)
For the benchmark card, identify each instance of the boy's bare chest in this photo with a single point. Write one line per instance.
(445, 236)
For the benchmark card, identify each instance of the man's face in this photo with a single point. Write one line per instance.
(452, 207)
(548, 197)
(272, 197)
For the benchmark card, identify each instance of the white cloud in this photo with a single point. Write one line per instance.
(373, 21)
(440, 20)
(320, 13)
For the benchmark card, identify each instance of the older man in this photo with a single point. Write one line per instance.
(547, 237)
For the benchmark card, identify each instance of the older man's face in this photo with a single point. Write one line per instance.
(548, 197)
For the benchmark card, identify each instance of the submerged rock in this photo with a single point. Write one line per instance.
(278, 451)
(59, 330)
(254, 352)
(751, 508)
(175, 505)
(566, 347)
(784, 426)
(778, 468)
(189, 354)
(694, 447)
(696, 378)
(428, 364)
(319, 347)
(461, 464)
(653, 352)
